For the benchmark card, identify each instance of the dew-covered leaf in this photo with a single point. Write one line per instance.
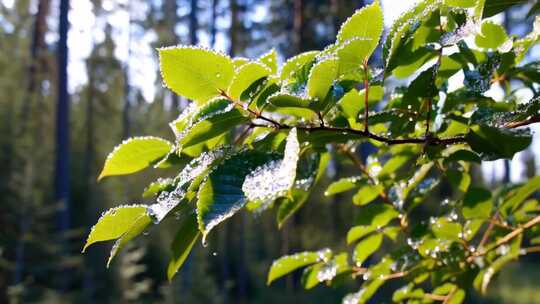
(523, 45)
(135, 154)
(446, 229)
(221, 196)
(274, 179)
(211, 126)
(366, 22)
(310, 169)
(270, 60)
(183, 242)
(352, 103)
(493, 143)
(343, 184)
(321, 78)
(294, 64)
(161, 184)
(399, 35)
(353, 53)
(195, 73)
(290, 263)
(184, 183)
(324, 271)
(245, 76)
(122, 224)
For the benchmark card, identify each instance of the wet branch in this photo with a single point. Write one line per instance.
(427, 140)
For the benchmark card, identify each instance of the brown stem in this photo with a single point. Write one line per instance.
(530, 250)
(485, 237)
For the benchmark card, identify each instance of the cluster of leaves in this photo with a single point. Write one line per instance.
(259, 136)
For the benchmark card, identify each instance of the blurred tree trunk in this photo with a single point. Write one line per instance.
(235, 27)
(170, 9)
(193, 22)
(35, 70)
(298, 25)
(61, 171)
(213, 25)
(126, 120)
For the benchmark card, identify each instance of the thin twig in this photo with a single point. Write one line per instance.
(508, 237)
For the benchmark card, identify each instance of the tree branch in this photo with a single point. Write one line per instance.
(508, 237)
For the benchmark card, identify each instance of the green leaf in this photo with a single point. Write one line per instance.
(491, 36)
(511, 252)
(239, 61)
(367, 194)
(407, 292)
(245, 76)
(477, 203)
(493, 7)
(274, 179)
(186, 183)
(211, 126)
(343, 184)
(445, 229)
(182, 244)
(290, 263)
(493, 143)
(286, 100)
(324, 271)
(157, 186)
(221, 196)
(519, 195)
(365, 23)
(291, 104)
(321, 78)
(523, 45)
(352, 103)
(460, 3)
(371, 218)
(135, 154)
(270, 60)
(294, 64)
(459, 179)
(121, 223)
(353, 53)
(398, 38)
(309, 171)
(462, 155)
(195, 73)
(367, 247)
